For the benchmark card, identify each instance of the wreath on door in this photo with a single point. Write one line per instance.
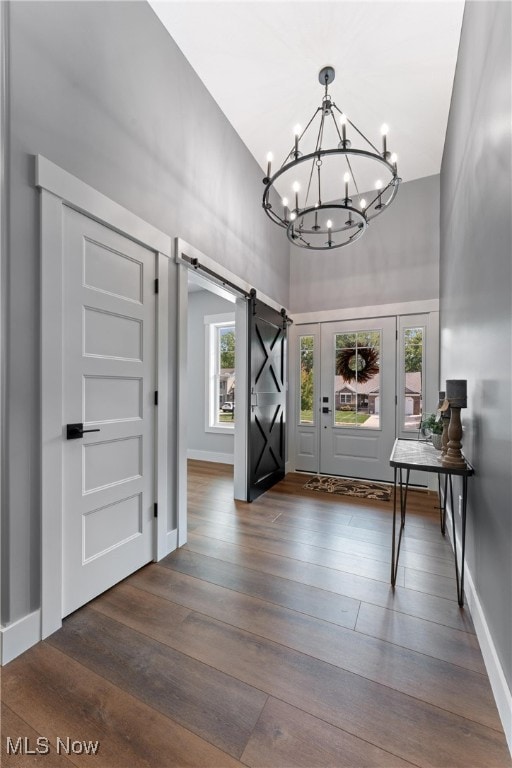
(361, 364)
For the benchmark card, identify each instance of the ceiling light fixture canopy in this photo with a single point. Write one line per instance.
(335, 189)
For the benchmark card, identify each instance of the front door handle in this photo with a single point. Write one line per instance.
(326, 410)
(75, 431)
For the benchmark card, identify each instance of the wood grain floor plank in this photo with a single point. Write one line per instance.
(286, 736)
(14, 728)
(307, 553)
(381, 538)
(211, 704)
(430, 533)
(367, 550)
(373, 712)
(414, 603)
(62, 697)
(441, 683)
(421, 507)
(288, 594)
(452, 645)
(431, 583)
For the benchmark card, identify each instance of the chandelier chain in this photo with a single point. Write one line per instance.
(317, 148)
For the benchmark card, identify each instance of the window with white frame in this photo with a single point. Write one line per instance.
(412, 356)
(220, 389)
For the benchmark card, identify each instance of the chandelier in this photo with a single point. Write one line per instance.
(328, 180)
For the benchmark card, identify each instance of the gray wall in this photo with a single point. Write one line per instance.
(476, 290)
(200, 304)
(396, 260)
(101, 89)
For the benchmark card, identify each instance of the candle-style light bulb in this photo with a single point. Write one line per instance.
(285, 206)
(384, 129)
(343, 123)
(363, 203)
(270, 157)
(293, 216)
(378, 187)
(346, 179)
(329, 224)
(297, 131)
(329, 232)
(296, 189)
(285, 201)
(394, 159)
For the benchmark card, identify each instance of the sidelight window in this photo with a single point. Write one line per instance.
(413, 358)
(307, 411)
(221, 377)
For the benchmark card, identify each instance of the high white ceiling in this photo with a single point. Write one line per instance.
(394, 63)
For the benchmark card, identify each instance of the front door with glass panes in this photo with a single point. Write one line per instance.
(358, 398)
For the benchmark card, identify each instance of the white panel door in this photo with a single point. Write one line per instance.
(358, 398)
(109, 374)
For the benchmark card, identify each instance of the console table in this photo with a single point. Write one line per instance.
(419, 455)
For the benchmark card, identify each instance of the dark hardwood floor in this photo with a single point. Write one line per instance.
(272, 639)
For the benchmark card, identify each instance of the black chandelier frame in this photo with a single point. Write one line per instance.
(296, 224)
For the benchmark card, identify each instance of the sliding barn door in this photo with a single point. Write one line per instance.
(267, 397)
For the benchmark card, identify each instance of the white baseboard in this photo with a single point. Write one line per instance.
(217, 458)
(19, 636)
(500, 689)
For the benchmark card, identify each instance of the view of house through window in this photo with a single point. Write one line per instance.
(306, 380)
(222, 356)
(413, 378)
(357, 379)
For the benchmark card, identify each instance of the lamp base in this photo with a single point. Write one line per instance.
(453, 457)
(455, 462)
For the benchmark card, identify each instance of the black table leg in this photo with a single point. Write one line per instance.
(393, 572)
(463, 535)
(442, 502)
(459, 573)
(395, 548)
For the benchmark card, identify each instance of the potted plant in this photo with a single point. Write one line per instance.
(432, 427)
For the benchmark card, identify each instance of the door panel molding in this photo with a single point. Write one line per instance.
(58, 188)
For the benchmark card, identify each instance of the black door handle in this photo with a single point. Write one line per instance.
(75, 431)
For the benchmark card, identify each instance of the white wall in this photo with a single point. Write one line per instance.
(212, 445)
(396, 260)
